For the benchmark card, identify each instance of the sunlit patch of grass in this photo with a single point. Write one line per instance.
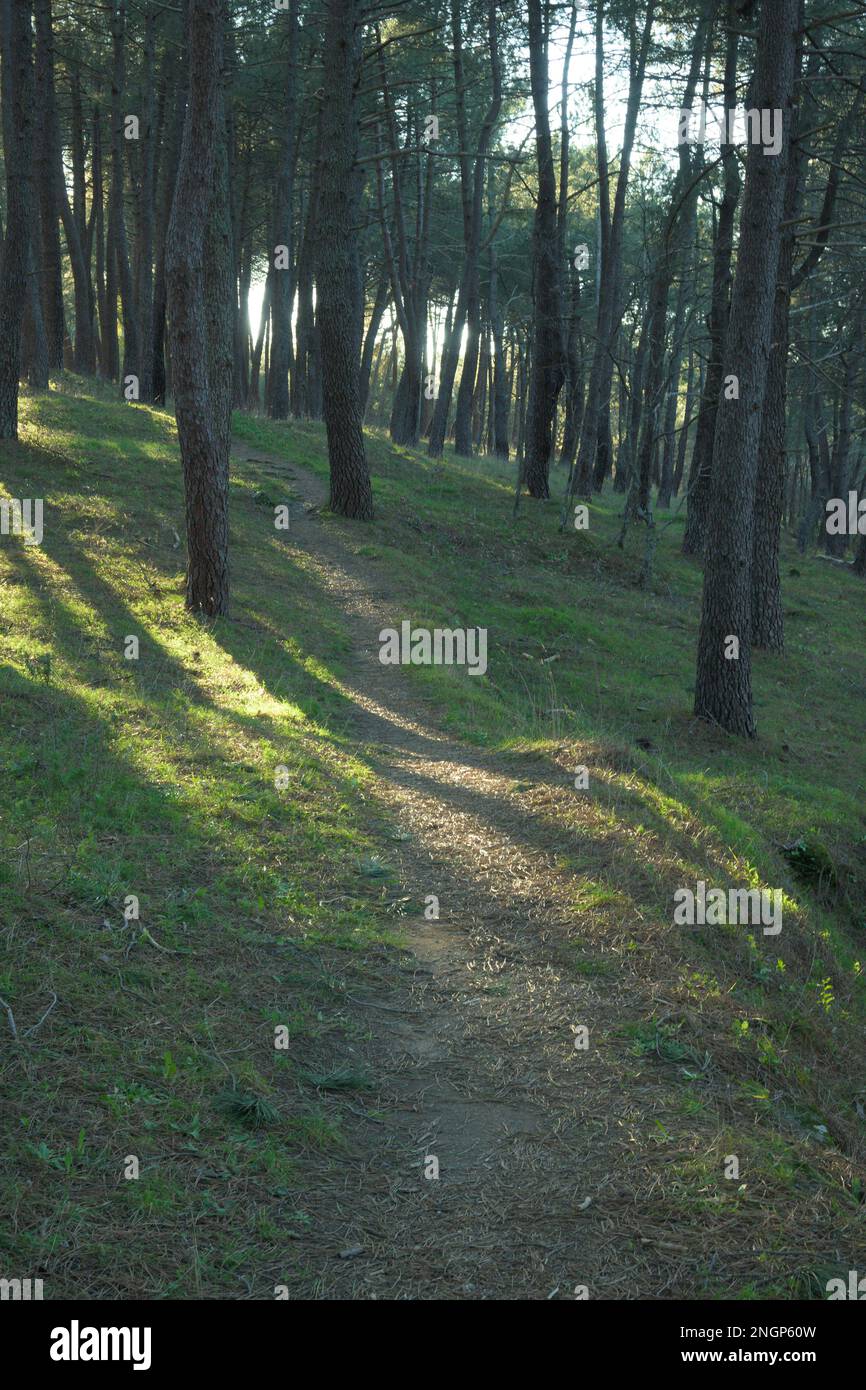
(669, 800)
(154, 779)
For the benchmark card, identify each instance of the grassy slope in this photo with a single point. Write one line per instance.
(155, 778)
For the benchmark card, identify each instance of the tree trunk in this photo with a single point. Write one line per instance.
(201, 383)
(717, 322)
(815, 429)
(34, 344)
(609, 250)
(768, 621)
(306, 378)
(678, 223)
(254, 400)
(469, 369)
(17, 96)
(283, 271)
(117, 217)
(472, 192)
(573, 375)
(144, 289)
(840, 464)
(682, 441)
(55, 206)
(547, 354)
(106, 285)
(351, 494)
(378, 310)
(168, 180)
(672, 382)
(723, 686)
(500, 393)
(46, 156)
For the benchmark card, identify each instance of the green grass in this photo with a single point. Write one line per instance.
(588, 668)
(156, 778)
(259, 906)
(786, 810)
(625, 658)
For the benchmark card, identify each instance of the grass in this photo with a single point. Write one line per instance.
(156, 881)
(586, 668)
(191, 857)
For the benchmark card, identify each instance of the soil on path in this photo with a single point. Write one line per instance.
(545, 1187)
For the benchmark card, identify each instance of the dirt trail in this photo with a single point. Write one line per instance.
(542, 1183)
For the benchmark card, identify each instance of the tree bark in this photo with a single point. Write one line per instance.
(840, 462)
(678, 223)
(610, 245)
(351, 494)
(119, 249)
(283, 278)
(408, 268)
(723, 687)
(672, 383)
(56, 207)
(815, 429)
(201, 384)
(717, 321)
(682, 442)
(768, 621)
(306, 391)
(106, 274)
(34, 344)
(499, 386)
(46, 159)
(17, 96)
(472, 191)
(168, 180)
(548, 371)
(379, 305)
(144, 287)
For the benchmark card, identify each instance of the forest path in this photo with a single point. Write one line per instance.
(472, 1041)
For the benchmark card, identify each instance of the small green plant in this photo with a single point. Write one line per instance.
(660, 1040)
(813, 864)
(826, 997)
(250, 1110)
(371, 866)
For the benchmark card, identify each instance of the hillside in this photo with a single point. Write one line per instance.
(301, 906)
